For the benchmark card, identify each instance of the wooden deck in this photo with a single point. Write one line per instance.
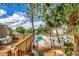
(19, 46)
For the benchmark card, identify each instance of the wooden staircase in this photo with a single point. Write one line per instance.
(19, 53)
(21, 48)
(23, 53)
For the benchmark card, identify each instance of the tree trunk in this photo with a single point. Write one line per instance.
(57, 35)
(76, 41)
(69, 30)
(50, 39)
(32, 22)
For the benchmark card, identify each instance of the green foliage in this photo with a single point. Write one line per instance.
(54, 16)
(20, 30)
(42, 30)
(68, 48)
(11, 31)
(38, 31)
(29, 30)
(78, 27)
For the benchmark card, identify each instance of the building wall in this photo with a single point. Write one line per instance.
(3, 30)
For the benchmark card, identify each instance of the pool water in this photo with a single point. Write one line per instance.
(38, 37)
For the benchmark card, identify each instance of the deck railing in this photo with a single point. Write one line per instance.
(21, 48)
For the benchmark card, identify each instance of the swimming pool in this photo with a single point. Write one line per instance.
(38, 37)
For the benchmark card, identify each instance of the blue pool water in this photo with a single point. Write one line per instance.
(38, 37)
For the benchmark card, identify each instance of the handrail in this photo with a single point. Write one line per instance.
(18, 48)
(22, 41)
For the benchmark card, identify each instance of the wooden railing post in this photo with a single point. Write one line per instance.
(9, 53)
